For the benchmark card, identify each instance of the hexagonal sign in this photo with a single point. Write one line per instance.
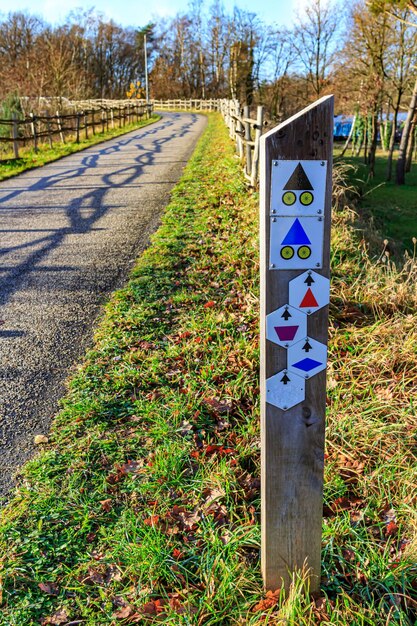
(286, 326)
(307, 358)
(309, 292)
(284, 390)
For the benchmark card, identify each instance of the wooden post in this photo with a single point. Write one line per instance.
(77, 127)
(86, 124)
(58, 121)
(93, 121)
(248, 138)
(258, 133)
(34, 133)
(296, 184)
(112, 117)
(15, 134)
(48, 128)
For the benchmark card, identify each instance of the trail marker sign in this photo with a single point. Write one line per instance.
(284, 390)
(295, 175)
(296, 242)
(309, 292)
(286, 326)
(298, 187)
(307, 357)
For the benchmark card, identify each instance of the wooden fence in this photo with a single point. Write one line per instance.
(244, 130)
(90, 116)
(100, 115)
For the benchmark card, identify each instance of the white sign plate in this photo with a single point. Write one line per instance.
(307, 358)
(286, 326)
(298, 187)
(309, 292)
(284, 390)
(296, 243)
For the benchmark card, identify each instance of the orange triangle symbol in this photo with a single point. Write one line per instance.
(309, 299)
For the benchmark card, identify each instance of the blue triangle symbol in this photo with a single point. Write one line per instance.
(296, 236)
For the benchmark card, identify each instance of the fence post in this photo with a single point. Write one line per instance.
(77, 127)
(33, 127)
(86, 124)
(58, 121)
(93, 121)
(258, 133)
(48, 127)
(248, 138)
(15, 134)
(240, 132)
(112, 117)
(296, 160)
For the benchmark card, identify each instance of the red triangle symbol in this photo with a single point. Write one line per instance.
(309, 300)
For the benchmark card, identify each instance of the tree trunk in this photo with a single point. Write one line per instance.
(365, 134)
(372, 147)
(411, 145)
(402, 151)
(392, 139)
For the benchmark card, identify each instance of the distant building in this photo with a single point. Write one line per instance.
(343, 123)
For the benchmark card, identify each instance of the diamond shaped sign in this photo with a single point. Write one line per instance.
(309, 292)
(284, 390)
(307, 357)
(286, 326)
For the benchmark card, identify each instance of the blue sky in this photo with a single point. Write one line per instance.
(139, 13)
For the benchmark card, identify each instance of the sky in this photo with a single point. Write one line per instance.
(139, 12)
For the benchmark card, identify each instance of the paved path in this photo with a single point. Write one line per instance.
(69, 233)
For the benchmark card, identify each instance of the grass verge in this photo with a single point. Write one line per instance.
(145, 506)
(392, 208)
(30, 159)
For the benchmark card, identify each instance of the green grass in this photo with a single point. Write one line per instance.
(392, 208)
(30, 159)
(144, 507)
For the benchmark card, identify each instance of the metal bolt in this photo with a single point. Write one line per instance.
(308, 312)
(306, 376)
(272, 265)
(319, 211)
(286, 345)
(322, 163)
(273, 211)
(320, 219)
(275, 162)
(317, 264)
(274, 219)
(284, 408)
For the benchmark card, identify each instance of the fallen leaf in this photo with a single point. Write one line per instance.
(124, 612)
(209, 304)
(40, 439)
(106, 505)
(60, 617)
(270, 600)
(50, 588)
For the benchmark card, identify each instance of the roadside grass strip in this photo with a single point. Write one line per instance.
(30, 158)
(145, 505)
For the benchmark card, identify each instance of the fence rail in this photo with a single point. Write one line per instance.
(97, 116)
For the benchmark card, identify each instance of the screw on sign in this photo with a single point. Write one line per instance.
(296, 161)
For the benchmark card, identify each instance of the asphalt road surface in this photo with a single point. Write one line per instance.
(69, 233)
